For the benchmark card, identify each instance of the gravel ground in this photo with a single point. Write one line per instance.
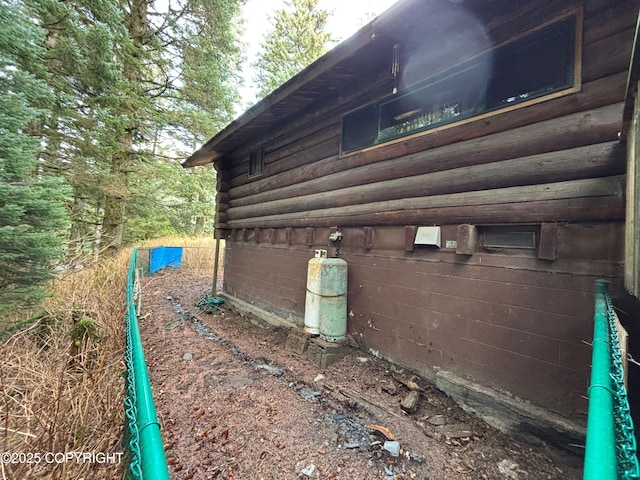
(233, 403)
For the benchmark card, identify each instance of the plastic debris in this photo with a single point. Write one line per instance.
(393, 447)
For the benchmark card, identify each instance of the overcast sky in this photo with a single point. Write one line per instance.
(347, 16)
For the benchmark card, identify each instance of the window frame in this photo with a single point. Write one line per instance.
(573, 85)
(256, 163)
(509, 229)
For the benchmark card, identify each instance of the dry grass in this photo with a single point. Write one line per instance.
(62, 377)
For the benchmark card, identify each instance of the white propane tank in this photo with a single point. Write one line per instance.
(325, 310)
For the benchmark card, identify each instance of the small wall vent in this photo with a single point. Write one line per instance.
(429, 236)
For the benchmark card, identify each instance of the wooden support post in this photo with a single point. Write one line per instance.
(216, 259)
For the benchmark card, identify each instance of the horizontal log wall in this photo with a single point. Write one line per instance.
(568, 139)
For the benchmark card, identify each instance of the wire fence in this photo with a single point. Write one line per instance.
(146, 458)
(611, 444)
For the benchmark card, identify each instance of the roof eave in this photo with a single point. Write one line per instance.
(211, 151)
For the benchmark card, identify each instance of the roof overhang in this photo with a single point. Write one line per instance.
(420, 26)
(304, 89)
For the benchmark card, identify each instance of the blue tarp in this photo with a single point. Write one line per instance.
(162, 257)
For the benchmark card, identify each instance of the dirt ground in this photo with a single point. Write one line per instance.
(233, 403)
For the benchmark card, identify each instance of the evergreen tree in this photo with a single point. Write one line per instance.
(32, 212)
(136, 89)
(209, 55)
(85, 41)
(181, 68)
(298, 38)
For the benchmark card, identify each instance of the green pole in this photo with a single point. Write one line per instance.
(153, 461)
(600, 454)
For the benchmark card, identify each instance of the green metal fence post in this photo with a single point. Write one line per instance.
(600, 454)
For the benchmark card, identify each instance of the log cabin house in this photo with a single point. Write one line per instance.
(469, 152)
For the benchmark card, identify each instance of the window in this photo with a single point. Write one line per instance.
(521, 237)
(361, 129)
(534, 66)
(256, 162)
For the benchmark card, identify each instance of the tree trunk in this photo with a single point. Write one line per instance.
(117, 193)
(116, 199)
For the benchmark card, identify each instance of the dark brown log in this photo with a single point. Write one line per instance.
(613, 19)
(579, 200)
(222, 186)
(222, 197)
(608, 56)
(528, 15)
(311, 151)
(565, 210)
(570, 131)
(596, 7)
(220, 218)
(600, 20)
(294, 142)
(319, 118)
(557, 135)
(223, 173)
(585, 162)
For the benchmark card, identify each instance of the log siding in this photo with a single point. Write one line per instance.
(514, 320)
